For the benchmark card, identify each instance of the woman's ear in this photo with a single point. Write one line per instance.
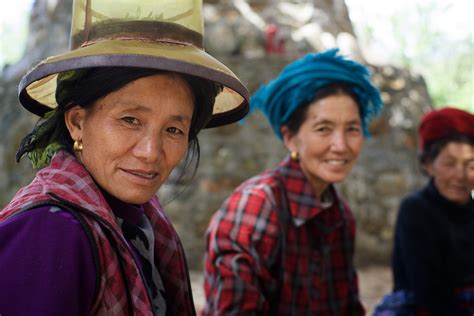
(428, 166)
(74, 119)
(288, 139)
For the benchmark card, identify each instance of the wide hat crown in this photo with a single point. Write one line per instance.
(158, 34)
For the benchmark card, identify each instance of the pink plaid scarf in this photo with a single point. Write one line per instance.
(66, 181)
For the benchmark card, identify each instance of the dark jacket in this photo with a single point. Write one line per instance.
(434, 250)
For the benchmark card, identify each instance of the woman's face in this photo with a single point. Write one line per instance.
(134, 137)
(453, 171)
(329, 140)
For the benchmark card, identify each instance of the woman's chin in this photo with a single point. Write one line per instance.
(336, 177)
(458, 197)
(131, 197)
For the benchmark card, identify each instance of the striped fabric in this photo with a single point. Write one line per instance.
(140, 235)
(273, 249)
(122, 290)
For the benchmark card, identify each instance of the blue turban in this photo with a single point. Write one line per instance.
(299, 81)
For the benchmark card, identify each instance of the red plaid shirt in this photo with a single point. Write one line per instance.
(273, 249)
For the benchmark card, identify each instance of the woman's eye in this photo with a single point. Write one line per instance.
(322, 129)
(174, 130)
(448, 164)
(130, 120)
(354, 129)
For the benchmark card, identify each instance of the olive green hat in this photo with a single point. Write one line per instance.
(156, 34)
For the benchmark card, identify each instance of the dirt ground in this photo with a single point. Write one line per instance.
(374, 282)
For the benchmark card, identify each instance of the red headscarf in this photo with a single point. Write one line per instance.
(439, 123)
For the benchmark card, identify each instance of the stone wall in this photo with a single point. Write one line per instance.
(256, 39)
(49, 33)
(387, 168)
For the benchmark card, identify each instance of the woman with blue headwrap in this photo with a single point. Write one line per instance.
(283, 242)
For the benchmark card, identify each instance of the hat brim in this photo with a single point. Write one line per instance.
(37, 89)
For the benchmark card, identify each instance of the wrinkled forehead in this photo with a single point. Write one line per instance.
(338, 107)
(150, 94)
(457, 150)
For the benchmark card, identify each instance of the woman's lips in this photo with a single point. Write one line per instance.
(336, 162)
(143, 174)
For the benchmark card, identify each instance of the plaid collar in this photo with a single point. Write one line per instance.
(303, 204)
(73, 176)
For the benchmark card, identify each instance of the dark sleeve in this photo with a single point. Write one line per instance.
(46, 265)
(419, 264)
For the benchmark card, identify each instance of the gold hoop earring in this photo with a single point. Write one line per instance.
(294, 155)
(77, 145)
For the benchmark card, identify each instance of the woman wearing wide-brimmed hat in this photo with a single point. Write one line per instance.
(433, 256)
(283, 242)
(119, 111)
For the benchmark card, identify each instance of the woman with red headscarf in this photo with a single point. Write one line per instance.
(433, 259)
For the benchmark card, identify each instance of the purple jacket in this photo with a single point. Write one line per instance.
(52, 262)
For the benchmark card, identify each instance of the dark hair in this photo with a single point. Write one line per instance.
(432, 149)
(337, 88)
(84, 87)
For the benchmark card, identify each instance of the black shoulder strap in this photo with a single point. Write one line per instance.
(348, 251)
(283, 214)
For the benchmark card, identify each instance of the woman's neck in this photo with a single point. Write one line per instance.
(319, 187)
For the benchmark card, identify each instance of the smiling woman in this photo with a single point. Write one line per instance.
(119, 112)
(433, 256)
(283, 242)
(134, 137)
(326, 135)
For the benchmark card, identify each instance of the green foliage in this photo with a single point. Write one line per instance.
(429, 38)
(13, 33)
(452, 82)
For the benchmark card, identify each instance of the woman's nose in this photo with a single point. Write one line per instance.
(462, 172)
(148, 148)
(339, 141)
